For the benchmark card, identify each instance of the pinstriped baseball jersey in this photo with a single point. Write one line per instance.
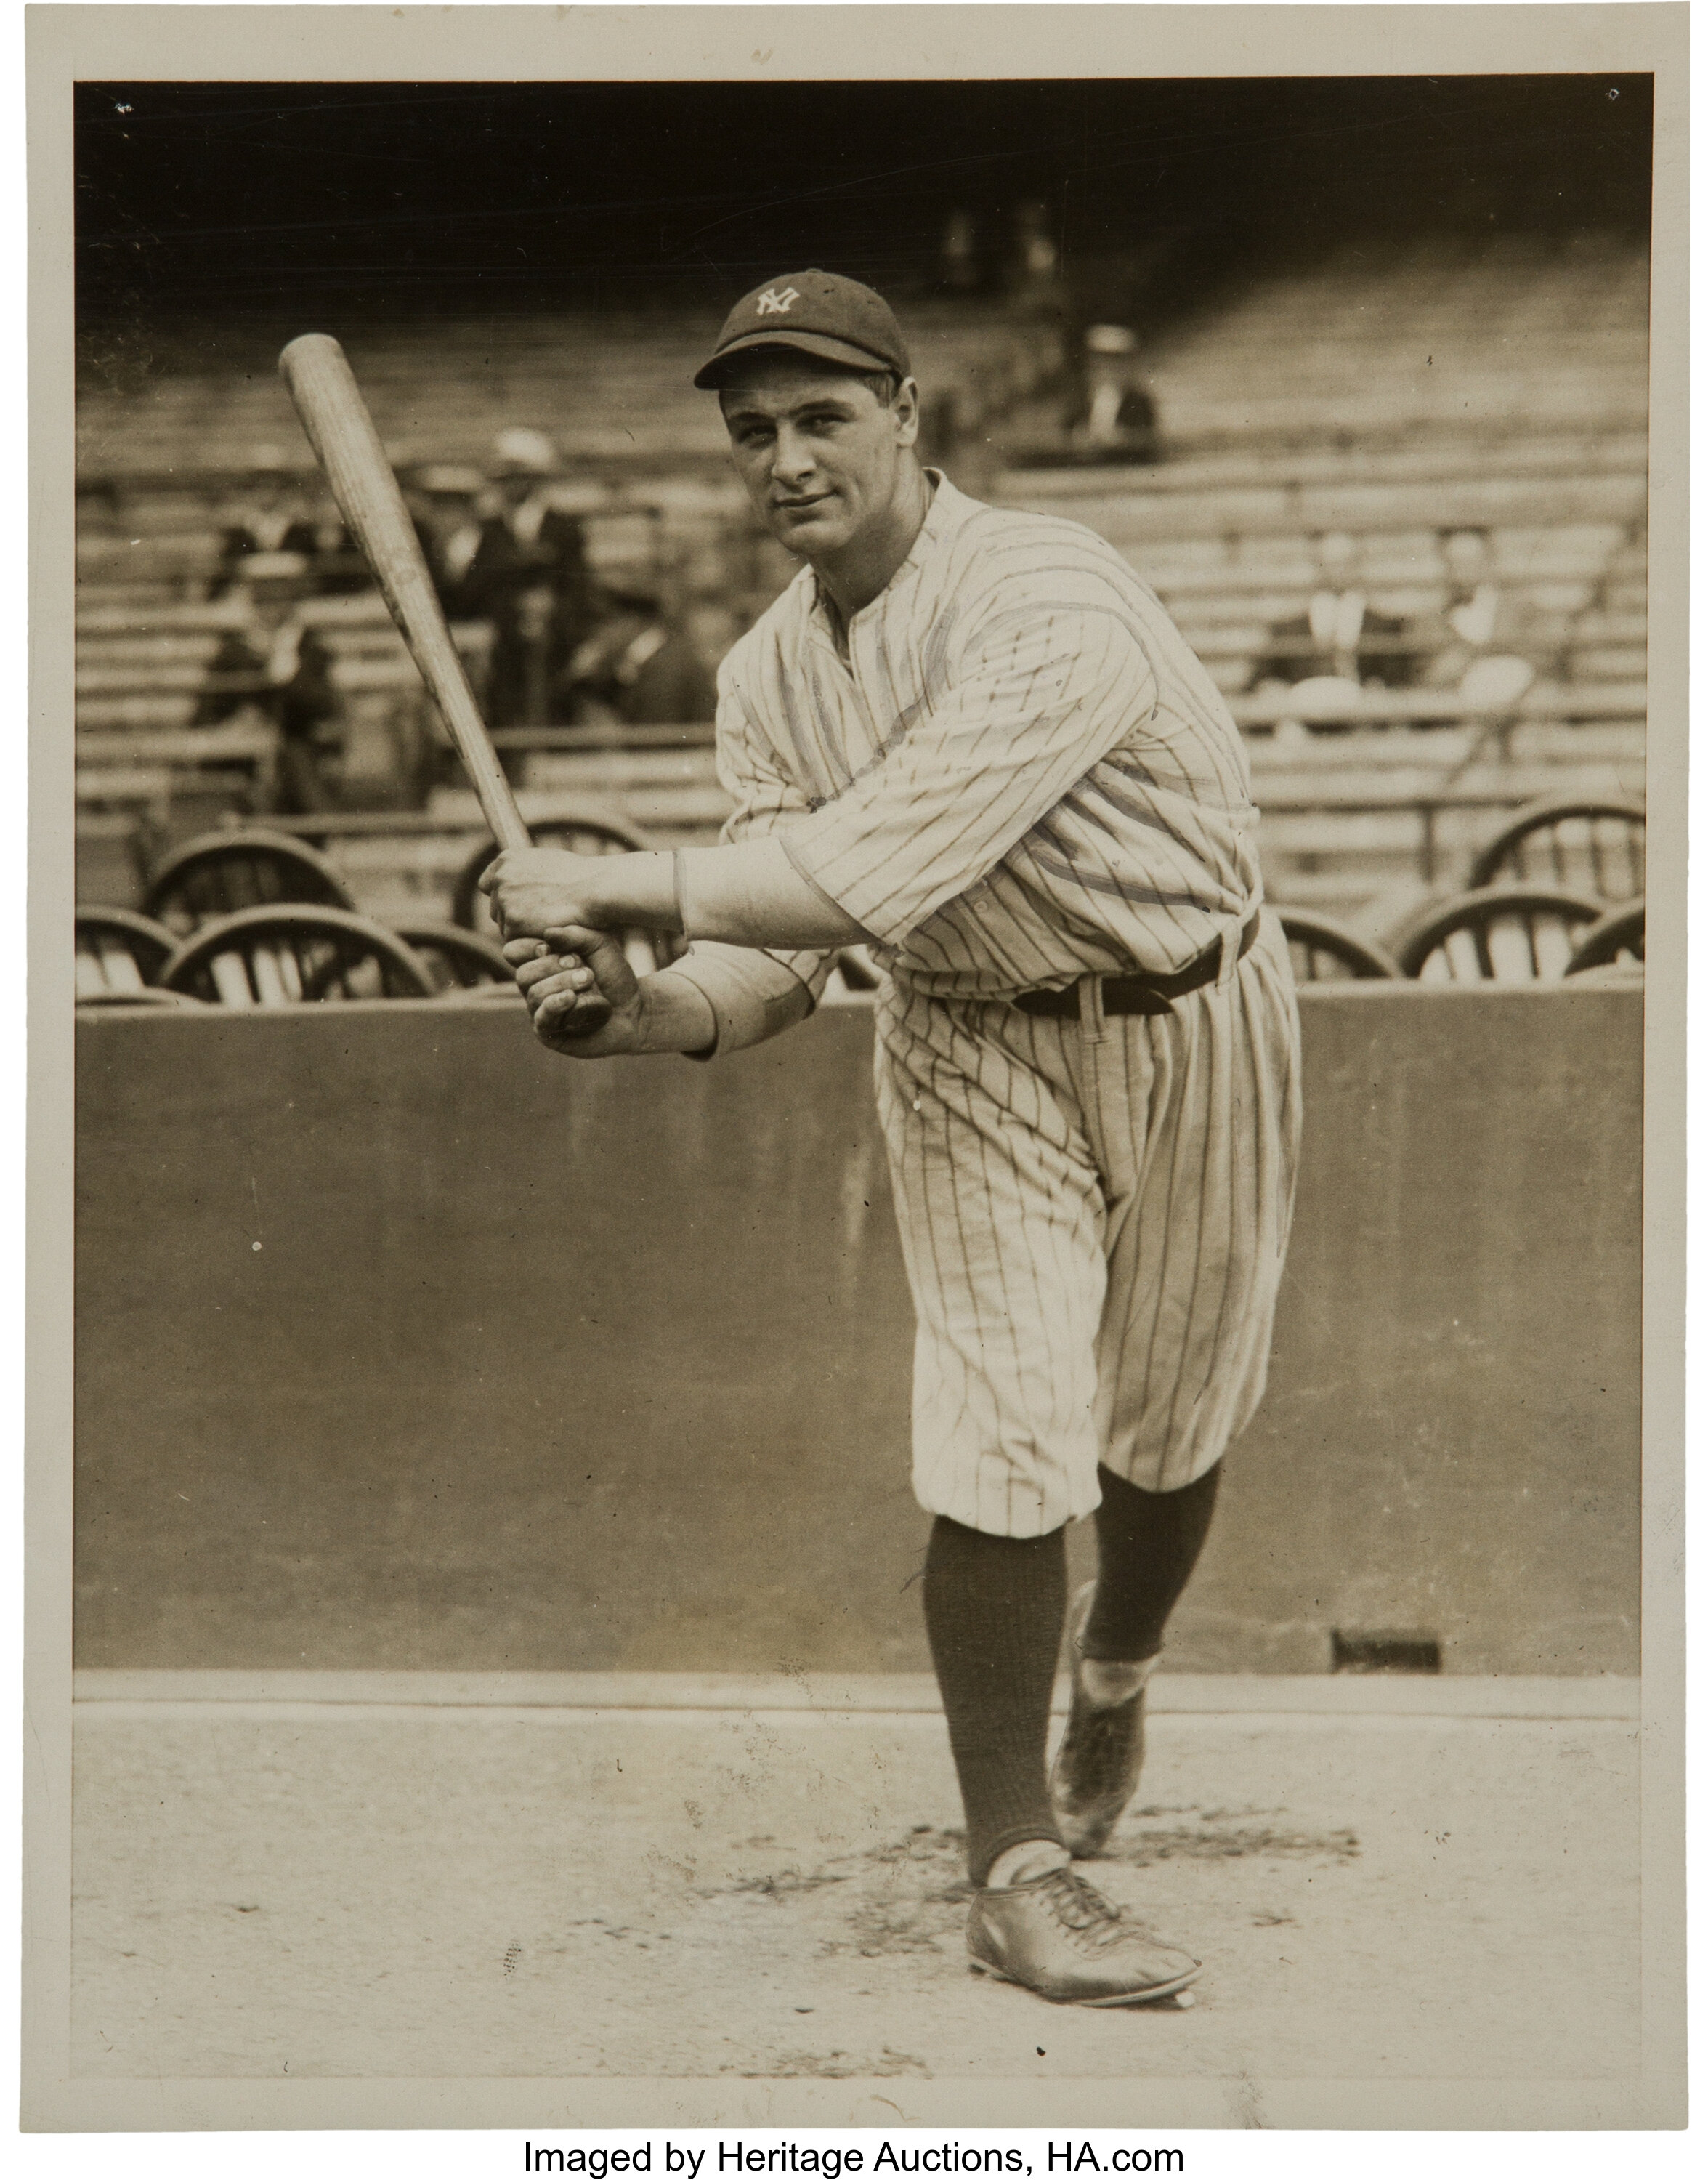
(1014, 772)
(1017, 773)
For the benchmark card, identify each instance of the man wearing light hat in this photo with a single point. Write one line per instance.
(973, 740)
(1115, 419)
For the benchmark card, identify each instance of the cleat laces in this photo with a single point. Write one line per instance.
(1081, 1907)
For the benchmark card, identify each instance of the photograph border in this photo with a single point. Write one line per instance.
(66, 43)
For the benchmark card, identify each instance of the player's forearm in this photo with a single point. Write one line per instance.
(748, 894)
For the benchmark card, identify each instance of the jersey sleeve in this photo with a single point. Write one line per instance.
(1051, 674)
(754, 992)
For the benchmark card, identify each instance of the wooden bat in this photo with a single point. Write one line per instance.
(335, 418)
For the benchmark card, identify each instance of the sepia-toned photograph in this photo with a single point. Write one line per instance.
(854, 1308)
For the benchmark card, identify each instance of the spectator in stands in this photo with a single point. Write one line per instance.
(640, 668)
(442, 498)
(1112, 418)
(269, 516)
(1339, 636)
(527, 576)
(272, 516)
(1482, 617)
(280, 668)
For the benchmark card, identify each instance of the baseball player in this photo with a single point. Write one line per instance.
(973, 740)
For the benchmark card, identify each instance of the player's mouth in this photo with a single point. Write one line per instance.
(801, 507)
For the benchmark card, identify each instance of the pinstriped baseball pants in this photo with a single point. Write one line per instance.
(1093, 1215)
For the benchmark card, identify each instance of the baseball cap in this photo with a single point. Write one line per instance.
(822, 314)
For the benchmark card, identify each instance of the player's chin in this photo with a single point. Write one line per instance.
(818, 526)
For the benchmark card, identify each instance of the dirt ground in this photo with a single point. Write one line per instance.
(295, 1889)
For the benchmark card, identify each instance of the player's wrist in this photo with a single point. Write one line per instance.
(674, 1016)
(635, 889)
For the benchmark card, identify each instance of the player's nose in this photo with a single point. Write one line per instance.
(791, 458)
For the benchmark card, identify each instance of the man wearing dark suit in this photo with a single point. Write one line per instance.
(641, 669)
(270, 516)
(529, 579)
(1114, 417)
(1338, 633)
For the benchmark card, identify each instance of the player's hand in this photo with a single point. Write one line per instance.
(537, 890)
(571, 973)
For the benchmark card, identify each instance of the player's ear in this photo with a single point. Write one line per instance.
(905, 409)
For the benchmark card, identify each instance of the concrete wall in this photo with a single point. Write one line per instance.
(542, 1366)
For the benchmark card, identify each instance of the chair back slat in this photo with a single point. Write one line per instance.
(229, 972)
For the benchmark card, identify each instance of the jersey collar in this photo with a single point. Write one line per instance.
(948, 510)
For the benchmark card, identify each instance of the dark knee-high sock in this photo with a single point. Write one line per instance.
(1148, 1544)
(994, 1608)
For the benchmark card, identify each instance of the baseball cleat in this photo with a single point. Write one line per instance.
(1096, 1768)
(1057, 1936)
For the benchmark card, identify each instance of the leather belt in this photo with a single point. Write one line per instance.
(1139, 994)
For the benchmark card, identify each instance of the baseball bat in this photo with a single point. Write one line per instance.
(342, 434)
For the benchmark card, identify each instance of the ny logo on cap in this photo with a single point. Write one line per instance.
(771, 304)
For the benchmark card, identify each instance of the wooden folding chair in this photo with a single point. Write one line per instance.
(456, 959)
(119, 952)
(1595, 846)
(220, 874)
(1499, 934)
(1616, 941)
(1326, 952)
(295, 955)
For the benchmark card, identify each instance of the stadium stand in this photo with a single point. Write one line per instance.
(1402, 395)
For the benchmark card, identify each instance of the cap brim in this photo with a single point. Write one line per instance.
(712, 374)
